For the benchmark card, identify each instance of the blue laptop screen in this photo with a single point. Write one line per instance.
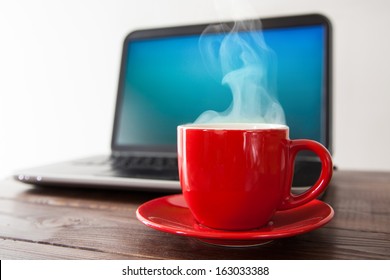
(166, 83)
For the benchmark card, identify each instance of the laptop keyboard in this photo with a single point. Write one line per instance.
(159, 168)
(144, 163)
(145, 167)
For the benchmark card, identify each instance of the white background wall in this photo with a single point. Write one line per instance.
(59, 65)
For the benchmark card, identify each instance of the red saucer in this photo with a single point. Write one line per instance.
(171, 214)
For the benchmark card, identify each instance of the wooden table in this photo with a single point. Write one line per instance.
(55, 223)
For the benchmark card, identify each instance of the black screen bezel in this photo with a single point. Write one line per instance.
(267, 23)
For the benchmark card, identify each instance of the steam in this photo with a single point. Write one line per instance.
(241, 60)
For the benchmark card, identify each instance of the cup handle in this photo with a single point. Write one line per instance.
(291, 200)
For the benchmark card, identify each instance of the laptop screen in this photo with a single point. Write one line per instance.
(165, 83)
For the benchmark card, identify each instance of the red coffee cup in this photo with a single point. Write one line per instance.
(236, 176)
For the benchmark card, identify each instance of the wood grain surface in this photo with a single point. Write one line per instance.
(64, 223)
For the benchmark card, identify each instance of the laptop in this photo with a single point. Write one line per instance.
(163, 83)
